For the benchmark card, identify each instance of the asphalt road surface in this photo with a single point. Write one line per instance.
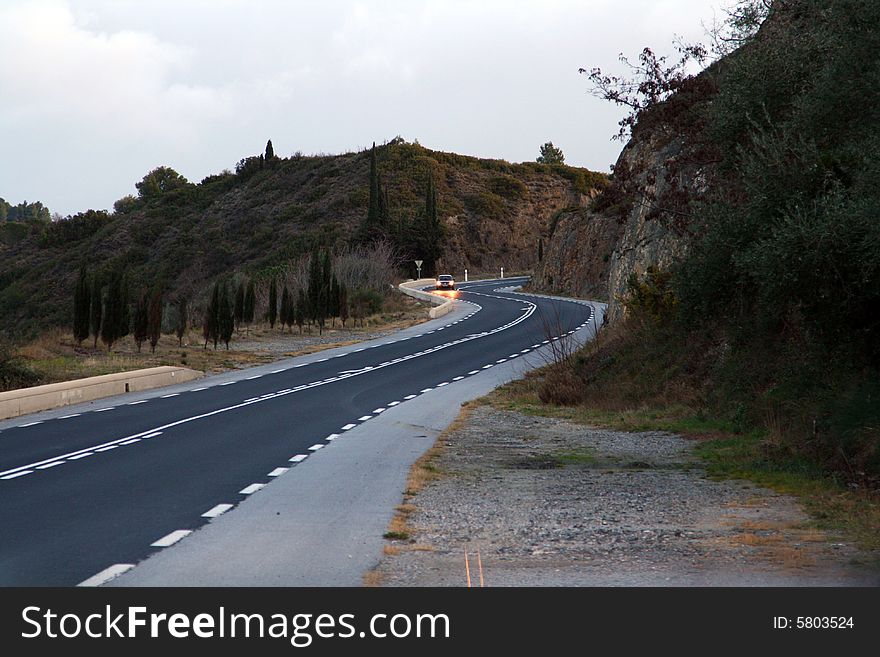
(112, 482)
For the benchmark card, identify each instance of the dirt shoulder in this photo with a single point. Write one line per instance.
(547, 502)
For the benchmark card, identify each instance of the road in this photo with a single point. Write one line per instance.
(113, 482)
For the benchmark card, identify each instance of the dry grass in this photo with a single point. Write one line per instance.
(56, 357)
(373, 578)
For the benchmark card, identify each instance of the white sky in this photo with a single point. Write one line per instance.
(95, 93)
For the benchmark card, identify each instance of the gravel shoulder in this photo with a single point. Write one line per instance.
(546, 502)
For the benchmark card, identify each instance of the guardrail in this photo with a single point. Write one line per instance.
(56, 395)
(442, 304)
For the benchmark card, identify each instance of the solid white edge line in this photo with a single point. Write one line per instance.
(106, 575)
(172, 538)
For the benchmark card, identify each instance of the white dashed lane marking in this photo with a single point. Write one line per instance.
(106, 575)
(277, 472)
(171, 538)
(213, 512)
(49, 465)
(364, 418)
(348, 426)
(15, 475)
(299, 458)
(249, 490)
(316, 447)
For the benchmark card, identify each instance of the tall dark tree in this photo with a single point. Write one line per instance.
(226, 316)
(182, 319)
(371, 227)
(429, 239)
(384, 210)
(211, 322)
(323, 297)
(154, 322)
(250, 302)
(125, 309)
(273, 302)
(299, 311)
(238, 310)
(343, 303)
(285, 307)
(141, 319)
(81, 301)
(313, 291)
(110, 326)
(270, 153)
(96, 309)
(333, 304)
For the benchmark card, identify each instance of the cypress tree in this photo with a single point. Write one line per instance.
(343, 303)
(81, 301)
(285, 307)
(250, 302)
(124, 309)
(211, 323)
(373, 220)
(323, 295)
(155, 319)
(141, 319)
(299, 314)
(226, 316)
(95, 310)
(333, 305)
(384, 212)
(316, 274)
(181, 320)
(270, 152)
(110, 326)
(273, 302)
(238, 311)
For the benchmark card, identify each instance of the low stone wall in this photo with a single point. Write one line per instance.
(55, 395)
(442, 305)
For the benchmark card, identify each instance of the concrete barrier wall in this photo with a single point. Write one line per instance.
(55, 395)
(442, 305)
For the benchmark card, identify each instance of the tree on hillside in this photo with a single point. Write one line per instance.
(141, 319)
(250, 302)
(428, 240)
(226, 317)
(285, 307)
(333, 301)
(343, 304)
(273, 302)
(81, 301)
(96, 309)
(299, 311)
(155, 318)
(371, 227)
(182, 319)
(313, 291)
(550, 154)
(110, 326)
(238, 309)
(160, 181)
(125, 309)
(211, 321)
(540, 249)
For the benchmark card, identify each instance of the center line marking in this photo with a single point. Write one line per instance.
(253, 488)
(20, 473)
(216, 511)
(107, 449)
(49, 465)
(171, 538)
(129, 442)
(80, 456)
(150, 435)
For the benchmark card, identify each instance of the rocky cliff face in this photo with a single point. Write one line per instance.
(642, 219)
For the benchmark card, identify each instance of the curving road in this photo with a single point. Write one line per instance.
(113, 481)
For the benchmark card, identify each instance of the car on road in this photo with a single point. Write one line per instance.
(445, 282)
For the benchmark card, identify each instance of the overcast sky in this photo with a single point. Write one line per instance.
(95, 93)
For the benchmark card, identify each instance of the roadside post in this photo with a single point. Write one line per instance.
(418, 269)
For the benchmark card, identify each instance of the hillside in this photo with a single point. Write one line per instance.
(739, 247)
(261, 217)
